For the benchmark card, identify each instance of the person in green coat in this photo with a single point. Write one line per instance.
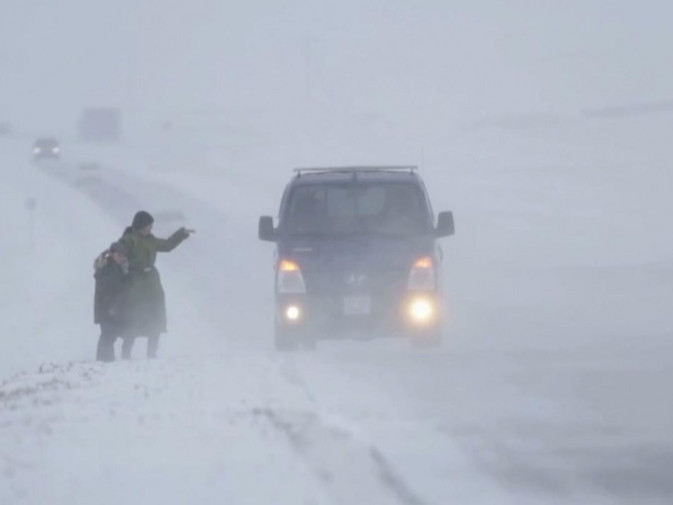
(146, 299)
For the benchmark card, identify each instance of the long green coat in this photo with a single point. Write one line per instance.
(146, 300)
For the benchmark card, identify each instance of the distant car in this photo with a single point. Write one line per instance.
(46, 148)
(357, 251)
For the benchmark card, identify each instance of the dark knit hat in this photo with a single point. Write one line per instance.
(142, 219)
(119, 247)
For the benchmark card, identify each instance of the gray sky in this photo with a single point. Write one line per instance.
(428, 61)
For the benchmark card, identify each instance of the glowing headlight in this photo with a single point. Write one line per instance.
(292, 313)
(421, 310)
(289, 278)
(422, 275)
(37, 150)
(56, 150)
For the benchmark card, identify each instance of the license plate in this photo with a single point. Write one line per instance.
(360, 305)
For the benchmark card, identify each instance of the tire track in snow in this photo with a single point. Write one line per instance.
(392, 480)
(315, 431)
(337, 457)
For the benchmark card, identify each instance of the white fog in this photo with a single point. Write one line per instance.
(545, 127)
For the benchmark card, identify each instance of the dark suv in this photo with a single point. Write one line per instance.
(357, 253)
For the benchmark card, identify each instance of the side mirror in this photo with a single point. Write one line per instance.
(265, 230)
(445, 226)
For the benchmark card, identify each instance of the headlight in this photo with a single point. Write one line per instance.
(56, 150)
(421, 310)
(37, 150)
(422, 275)
(292, 313)
(289, 278)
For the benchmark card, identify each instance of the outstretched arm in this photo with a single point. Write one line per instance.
(170, 243)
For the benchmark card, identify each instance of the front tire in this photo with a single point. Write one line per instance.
(285, 339)
(308, 342)
(427, 338)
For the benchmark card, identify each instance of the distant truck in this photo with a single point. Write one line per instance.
(100, 124)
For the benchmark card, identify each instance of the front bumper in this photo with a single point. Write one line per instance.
(46, 156)
(333, 315)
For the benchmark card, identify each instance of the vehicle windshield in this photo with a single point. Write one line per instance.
(394, 209)
(45, 143)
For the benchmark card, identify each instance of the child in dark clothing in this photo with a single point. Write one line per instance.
(110, 306)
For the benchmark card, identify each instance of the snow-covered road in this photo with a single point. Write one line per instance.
(335, 427)
(179, 430)
(492, 417)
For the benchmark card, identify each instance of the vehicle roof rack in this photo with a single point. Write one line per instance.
(356, 169)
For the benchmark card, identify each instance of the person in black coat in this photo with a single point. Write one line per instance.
(110, 305)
